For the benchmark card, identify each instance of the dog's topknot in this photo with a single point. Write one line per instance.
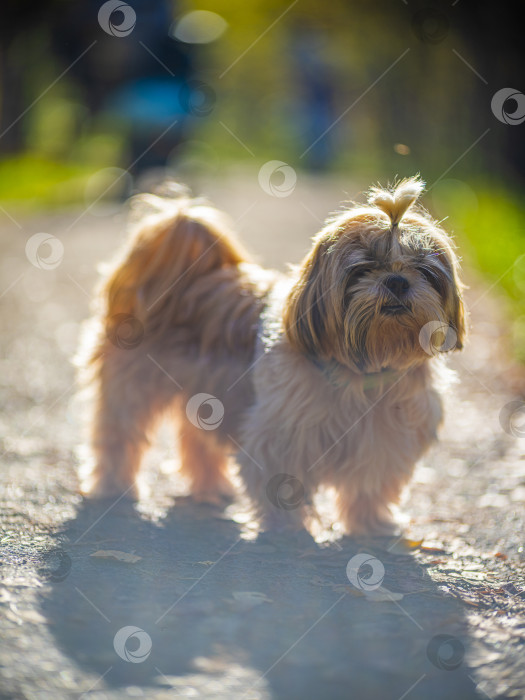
(395, 204)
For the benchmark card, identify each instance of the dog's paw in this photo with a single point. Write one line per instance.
(282, 522)
(105, 488)
(210, 498)
(220, 495)
(377, 528)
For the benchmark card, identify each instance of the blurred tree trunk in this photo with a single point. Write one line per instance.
(494, 35)
(18, 18)
(11, 103)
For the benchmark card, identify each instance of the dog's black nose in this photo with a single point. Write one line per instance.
(397, 284)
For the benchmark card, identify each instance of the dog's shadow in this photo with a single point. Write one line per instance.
(204, 611)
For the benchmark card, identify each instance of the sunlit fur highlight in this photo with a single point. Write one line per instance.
(346, 397)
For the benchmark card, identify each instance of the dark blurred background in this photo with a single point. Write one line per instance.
(97, 99)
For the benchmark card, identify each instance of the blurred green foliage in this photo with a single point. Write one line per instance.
(32, 181)
(489, 227)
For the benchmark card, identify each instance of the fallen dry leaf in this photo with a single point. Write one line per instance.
(382, 595)
(250, 599)
(432, 550)
(342, 588)
(115, 554)
(404, 546)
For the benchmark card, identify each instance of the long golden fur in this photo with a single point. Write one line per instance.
(327, 377)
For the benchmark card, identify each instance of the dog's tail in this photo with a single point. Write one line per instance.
(179, 242)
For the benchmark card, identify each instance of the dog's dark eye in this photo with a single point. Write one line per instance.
(428, 274)
(356, 273)
(434, 278)
(361, 270)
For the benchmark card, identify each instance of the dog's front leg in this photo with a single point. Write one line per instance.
(274, 482)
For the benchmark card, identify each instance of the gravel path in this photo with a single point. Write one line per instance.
(220, 612)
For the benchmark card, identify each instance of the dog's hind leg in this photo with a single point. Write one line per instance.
(131, 395)
(204, 462)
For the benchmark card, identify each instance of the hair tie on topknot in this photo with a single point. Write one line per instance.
(395, 204)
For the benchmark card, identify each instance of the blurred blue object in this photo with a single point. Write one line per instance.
(148, 102)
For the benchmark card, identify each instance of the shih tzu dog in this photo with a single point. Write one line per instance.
(328, 377)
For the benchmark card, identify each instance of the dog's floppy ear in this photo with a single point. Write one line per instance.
(454, 306)
(457, 315)
(305, 316)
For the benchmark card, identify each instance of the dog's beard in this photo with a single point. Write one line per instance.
(384, 333)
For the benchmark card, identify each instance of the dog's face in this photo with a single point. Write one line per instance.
(373, 295)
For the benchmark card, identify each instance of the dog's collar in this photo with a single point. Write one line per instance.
(271, 329)
(339, 376)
